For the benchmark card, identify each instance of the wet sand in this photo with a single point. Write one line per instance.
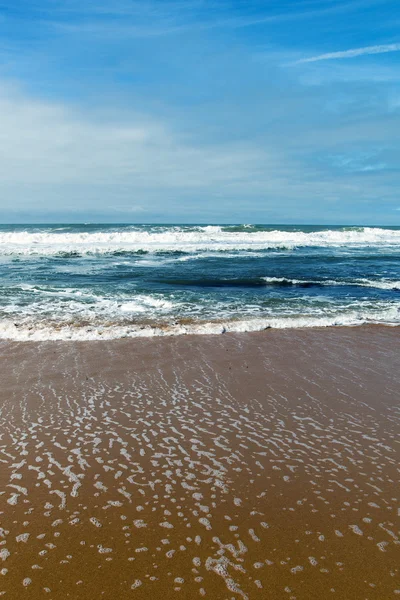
(255, 466)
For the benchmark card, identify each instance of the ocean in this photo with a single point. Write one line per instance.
(88, 282)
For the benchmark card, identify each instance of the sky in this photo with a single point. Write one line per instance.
(230, 111)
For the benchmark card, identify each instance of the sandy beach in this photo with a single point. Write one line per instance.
(259, 465)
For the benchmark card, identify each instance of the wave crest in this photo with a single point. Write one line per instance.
(180, 239)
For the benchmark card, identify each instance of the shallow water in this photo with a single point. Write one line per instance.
(236, 467)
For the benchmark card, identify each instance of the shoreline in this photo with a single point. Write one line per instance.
(243, 465)
(165, 331)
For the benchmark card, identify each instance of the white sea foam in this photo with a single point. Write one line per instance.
(69, 306)
(388, 314)
(210, 238)
(383, 284)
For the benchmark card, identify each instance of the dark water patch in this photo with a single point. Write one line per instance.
(69, 254)
(255, 282)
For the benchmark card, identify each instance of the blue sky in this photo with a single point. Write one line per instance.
(200, 111)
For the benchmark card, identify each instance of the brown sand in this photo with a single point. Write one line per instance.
(238, 466)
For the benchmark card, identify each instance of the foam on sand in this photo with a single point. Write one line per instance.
(224, 467)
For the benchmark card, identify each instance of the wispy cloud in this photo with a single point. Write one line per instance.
(352, 53)
(153, 18)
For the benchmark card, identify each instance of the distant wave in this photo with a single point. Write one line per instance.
(383, 284)
(181, 239)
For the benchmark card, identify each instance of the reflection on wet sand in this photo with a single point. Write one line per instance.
(239, 466)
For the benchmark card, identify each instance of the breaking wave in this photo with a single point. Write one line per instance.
(189, 240)
(382, 284)
(41, 331)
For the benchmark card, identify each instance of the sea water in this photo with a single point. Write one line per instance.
(110, 281)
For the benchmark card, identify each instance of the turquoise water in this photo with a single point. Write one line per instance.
(107, 281)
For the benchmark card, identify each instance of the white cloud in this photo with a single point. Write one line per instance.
(48, 146)
(56, 157)
(352, 53)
